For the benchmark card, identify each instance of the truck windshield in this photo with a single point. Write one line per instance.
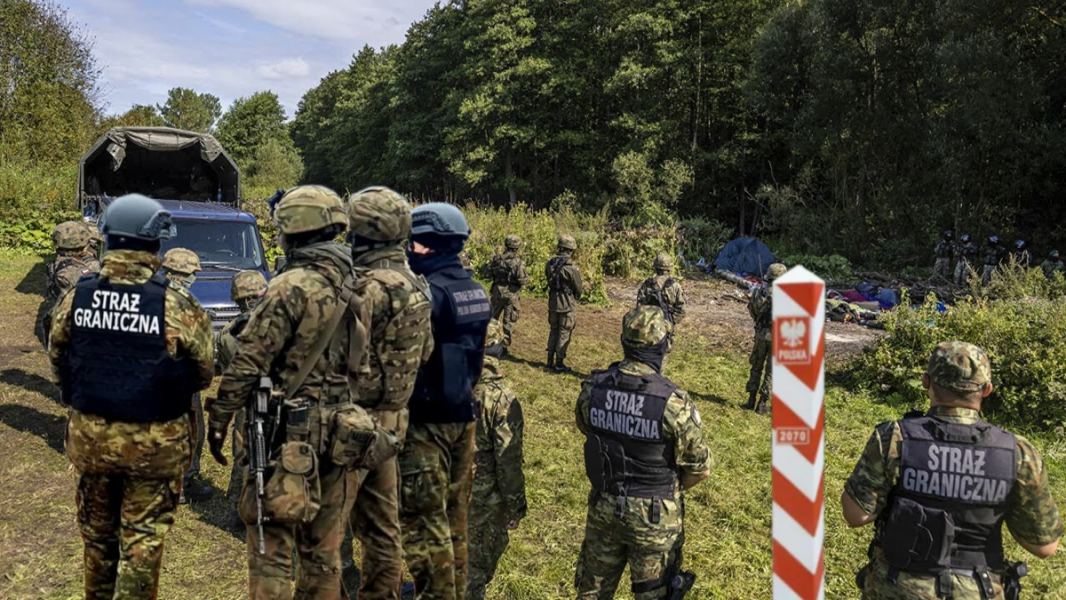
(226, 245)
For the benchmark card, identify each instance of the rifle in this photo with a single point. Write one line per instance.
(261, 426)
(1012, 580)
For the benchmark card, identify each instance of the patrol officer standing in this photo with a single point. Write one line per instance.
(965, 259)
(663, 291)
(128, 352)
(644, 446)
(940, 485)
(73, 259)
(564, 290)
(498, 501)
(991, 255)
(761, 376)
(508, 278)
(436, 461)
(401, 340)
(180, 266)
(1021, 254)
(1053, 265)
(245, 290)
(944, 251)
(296, 336)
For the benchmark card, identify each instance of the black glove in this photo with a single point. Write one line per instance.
(216, 441)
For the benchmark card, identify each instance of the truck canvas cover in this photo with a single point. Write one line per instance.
(159, 162)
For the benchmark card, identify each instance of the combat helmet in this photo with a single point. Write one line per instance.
(182, 261)
(964, 238)
(70, 235)
(663, 262)
(567, 242)
(993, 240)
(1021, 244)
(137, 217)
(775, 270)
(645, 326)
(949, 234)
(379, 214)
(439, 218)
(247, 285)
(308, 208)
(512, 242)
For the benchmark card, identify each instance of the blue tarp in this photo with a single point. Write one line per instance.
(745, 255)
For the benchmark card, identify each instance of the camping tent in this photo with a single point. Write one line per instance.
(745, 255)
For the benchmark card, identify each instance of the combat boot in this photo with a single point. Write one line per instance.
(561, 367)
(751, 402)
(763, 408)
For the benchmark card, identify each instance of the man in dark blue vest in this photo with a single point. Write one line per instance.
(129, 351)
(436, 460)
(939, 487)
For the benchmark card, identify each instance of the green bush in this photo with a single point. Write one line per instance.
(1024, 333)
(33, 199)
(833, 268)
(702, 238)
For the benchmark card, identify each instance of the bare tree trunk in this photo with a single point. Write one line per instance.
(508, 170)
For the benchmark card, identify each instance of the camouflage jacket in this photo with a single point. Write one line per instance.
(498, 477)
(282, 331)
(1050, 267)
(1032, 515)
(65, 270)
(966, 251)
(761, 307)
(681, 424)
(992, 255)
(148, 449)
(944, 249)
(666, 293)
(226, 342)
(401, 336)
(564, 284)
(508, 273)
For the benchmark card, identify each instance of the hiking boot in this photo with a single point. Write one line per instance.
(763, 408)
(750, 405)
(196, 490)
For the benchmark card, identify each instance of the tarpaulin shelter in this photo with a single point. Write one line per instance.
(745, 255)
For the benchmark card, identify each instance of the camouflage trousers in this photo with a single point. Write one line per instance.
(236, 472)
(612, 541)
(198, 446)
(877, 586)
(435, 471)
(488, 541)
(761, 376)
(986, 274)
(962, 272)
(562, 325)
(317, 544)
(506, 308)
(375, 520)
(942, 268)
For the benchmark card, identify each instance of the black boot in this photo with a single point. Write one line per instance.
(561, 367)
(751, 402)
(194, 489)
(763, 408)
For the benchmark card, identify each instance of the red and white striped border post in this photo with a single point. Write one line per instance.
(798, 446)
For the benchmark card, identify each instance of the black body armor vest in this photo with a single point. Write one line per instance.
(117, 366)
(626, 453)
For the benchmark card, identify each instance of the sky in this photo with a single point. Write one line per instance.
(232, 48)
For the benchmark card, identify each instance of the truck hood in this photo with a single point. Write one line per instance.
(212, 289)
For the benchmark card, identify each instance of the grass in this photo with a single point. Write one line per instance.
(728, 529)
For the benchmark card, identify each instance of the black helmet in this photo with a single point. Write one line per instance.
(949, 234)
(137, 217)
(1020, 244)
(993, 239)
(964, 237)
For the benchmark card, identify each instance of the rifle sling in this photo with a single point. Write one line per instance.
(326, 336)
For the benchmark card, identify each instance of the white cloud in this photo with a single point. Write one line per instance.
(285, 69)
(358, 21)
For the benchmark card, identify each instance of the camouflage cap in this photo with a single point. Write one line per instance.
(309, 208)
(70, 235)
(494, 334)
(247, 284)
(645, 326)
(960, 366)
(775, 270)
(567, 242)
(663, 262)
(181, 260)
(379, 214)
(1053, 254)
(512, 242)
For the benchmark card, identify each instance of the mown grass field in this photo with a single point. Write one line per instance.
(728, 515)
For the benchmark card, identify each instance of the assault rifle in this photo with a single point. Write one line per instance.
(261, 426)
(1012, 581)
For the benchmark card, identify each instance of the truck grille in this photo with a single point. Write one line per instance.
(220, 317)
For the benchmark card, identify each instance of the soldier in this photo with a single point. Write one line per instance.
(934, 537)
(508, 278)
(437, 458)
(663, 291)
(564, 290)
(945, 250)
(468, 265)
(128, 352)
(180, 266)
(96, 241)
(299, 335)
(73, 259)
(498, 501)
(991, 255)
(965, 259)
(644, 446)
(761, 376)
(245, 290)
(1053, 265)
(1021, 254)
(401, 340)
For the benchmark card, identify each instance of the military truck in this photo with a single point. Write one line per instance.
(192, 177)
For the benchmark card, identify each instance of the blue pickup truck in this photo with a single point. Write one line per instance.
(193, 178)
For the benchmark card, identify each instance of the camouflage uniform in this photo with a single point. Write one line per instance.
(564, 290)
(1031, 514)
(499, 488)
(761, 376)
(508, 278)
(129, 474)
(945, 250)
(401, 340)
(281, 332)
(73, 259)
(645, 533)
(1053, 265)
(991, 255)
(663, 291)
(965, 259)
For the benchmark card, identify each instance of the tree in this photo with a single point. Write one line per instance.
(249, 123)
(275, 164)
(185, 109)
(139, 115)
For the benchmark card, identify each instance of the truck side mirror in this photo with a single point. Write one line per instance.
(279, 264)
